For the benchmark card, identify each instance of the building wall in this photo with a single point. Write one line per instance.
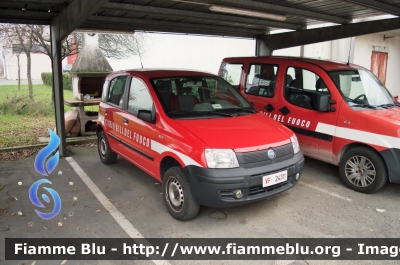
(360, 50)
(362, 56)
(187, 52)
(39, 63)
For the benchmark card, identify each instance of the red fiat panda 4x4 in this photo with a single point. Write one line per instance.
(198, 136)
(341, 113)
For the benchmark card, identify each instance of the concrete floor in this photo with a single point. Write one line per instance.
(4, 81)
(318, 207)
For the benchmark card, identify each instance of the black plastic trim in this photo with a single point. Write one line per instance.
(392, 160)
(215, 187)
(314, 134)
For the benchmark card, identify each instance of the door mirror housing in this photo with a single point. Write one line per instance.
(146, 115)
(324, 103)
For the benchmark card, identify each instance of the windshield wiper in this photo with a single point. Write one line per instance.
(364, 106)
(216, 112)
(387, 105)
(246, 110)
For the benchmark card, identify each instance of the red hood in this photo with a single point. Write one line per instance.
(243, 133)
(381, 121)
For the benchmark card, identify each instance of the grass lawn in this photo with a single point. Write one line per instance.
(17, 130)
(23, 121)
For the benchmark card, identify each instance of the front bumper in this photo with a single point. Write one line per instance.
(392, 160)
(215, 187)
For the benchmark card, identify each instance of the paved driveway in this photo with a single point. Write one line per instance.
(318, 207)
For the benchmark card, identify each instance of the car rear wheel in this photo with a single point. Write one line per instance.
(363, 170)
(106, 155)
(178, 195)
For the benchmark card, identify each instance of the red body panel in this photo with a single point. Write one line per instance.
(183, 140)
(377, 128)
(250, 132)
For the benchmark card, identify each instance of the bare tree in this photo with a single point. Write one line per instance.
(69, 46)
(19, 38)
(25, 37)
(8, 39)
(116, 46)
(122, 46)
(112, 45)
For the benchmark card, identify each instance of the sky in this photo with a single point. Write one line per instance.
(187, 52)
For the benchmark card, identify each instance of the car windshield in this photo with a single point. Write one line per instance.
(200, 97)
(362, 89)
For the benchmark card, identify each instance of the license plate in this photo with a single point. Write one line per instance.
(275, 178)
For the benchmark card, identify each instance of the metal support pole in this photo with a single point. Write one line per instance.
(262, 48)
(58, 88)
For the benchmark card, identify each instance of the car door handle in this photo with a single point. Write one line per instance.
(284, 110)
(125, 120)
(269, 107)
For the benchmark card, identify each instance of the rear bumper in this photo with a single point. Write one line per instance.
(215, 187)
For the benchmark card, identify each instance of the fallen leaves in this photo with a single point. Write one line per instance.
(15, 155)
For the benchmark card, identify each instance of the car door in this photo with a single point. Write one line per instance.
(112, 112)
(298, 108)
(138, 134)
(259, 87)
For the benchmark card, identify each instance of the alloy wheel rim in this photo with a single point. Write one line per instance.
(360, 171)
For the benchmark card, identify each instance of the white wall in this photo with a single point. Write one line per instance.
(362, 56)
(188, 52)
(39, 63)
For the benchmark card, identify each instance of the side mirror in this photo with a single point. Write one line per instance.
(324, 103)
(145, 115)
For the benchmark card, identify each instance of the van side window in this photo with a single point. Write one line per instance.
(139, 97)
(232, 73)
(302, 87)
(117, 88)
(261, 80)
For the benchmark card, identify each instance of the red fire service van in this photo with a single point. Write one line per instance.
(341, 113)
(198, 136)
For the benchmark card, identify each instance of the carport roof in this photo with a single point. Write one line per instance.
(195, 16)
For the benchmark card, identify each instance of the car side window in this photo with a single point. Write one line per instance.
(117, 87)
(139, 97)
(302, 87)
(105, 91)
(260, 80)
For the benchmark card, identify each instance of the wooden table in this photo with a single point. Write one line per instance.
(80, 103)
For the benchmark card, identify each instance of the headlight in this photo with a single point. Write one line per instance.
(221, 158)
(295, 143)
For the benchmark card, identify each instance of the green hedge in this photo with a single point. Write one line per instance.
(47, 79)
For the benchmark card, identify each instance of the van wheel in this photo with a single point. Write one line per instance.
(363, 170)
(178, 196)
(106, 155)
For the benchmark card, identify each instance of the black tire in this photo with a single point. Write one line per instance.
(363, 169)
(178, 195)
(106, 155)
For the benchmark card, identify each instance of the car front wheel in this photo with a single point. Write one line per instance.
(178, 196)
(363, 170)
